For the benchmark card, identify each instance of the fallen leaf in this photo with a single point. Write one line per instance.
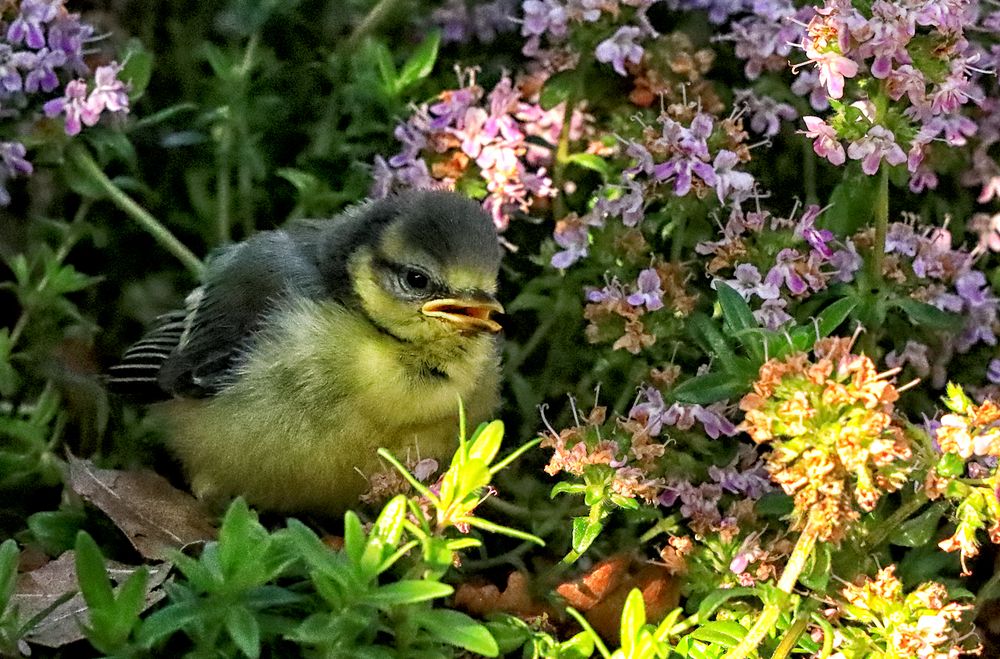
(154, 515)
(660, 594)
(482, 599)
(589, 589)
(39, 589)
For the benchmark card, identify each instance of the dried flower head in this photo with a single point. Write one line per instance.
(922, 623)
(830, 423)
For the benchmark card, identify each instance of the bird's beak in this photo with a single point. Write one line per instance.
(469, 315)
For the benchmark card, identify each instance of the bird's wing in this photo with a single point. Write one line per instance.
(194, 352)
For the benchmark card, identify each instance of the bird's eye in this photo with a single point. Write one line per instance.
(417, 280)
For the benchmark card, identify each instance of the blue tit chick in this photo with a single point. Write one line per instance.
(308, 348)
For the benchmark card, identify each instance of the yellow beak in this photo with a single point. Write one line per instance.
(468, 315)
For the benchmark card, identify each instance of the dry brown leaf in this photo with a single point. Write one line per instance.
(660, 593)
(481, 599)
(152, 513)
(39, 589)
(589, 589)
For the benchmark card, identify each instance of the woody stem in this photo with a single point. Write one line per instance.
(772, 610)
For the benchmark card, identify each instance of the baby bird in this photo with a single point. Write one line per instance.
(308, 348)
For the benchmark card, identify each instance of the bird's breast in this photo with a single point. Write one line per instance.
(320, 392)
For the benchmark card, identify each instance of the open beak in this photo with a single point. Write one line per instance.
(468, 315)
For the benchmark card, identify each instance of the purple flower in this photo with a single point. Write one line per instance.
(27, 27)
(817, 238)
(772, 314)
(620, 48)
(847, 261)
(784, 272)
(648, 291)
(711, 418)
(109, 92)
(543, 16)
(12, 164)
(993, 371)
(972, 288)
(901, 239)
(630, 206)
(914, 354)
(879, 143)
(730, 183)
(40, 67)
(825, 142)
(748, 283)
(643, 159)
(766, 113)
(650, 411)
(574, 238)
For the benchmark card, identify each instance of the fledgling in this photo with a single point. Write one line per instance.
(308, 348)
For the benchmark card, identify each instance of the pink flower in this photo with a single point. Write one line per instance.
(833, 68)
(825, 142)
(879, 143)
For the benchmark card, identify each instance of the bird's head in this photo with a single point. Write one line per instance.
(428, 270)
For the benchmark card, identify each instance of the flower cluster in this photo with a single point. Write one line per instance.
(547, 25)
(581, 450)
(922, 623)
(43, 45)
(461, 23)
(917, 70)
(774, 261)
(674, 156)
(969, 441)
(630, 319)
(479, 142)
(830, 423)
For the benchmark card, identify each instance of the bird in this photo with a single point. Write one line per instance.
(309, 347)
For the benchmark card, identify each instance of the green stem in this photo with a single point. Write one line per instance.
(562, 156)
(794, 633)
(372, 19)
(881, 227)
(64, 247)
(891, 523)
(809, 172)
(772, 610)
(223, 185)
(82, 158)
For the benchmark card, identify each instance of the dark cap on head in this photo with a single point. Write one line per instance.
(449, 227)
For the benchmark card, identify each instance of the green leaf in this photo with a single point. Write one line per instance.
(9, 556)
(409, 591)
(927, 315)
(564, 487)
(421, 63)
(167, 621)
(851, 204)
(131, 597)
(244, 630)
(137, 69)
(709, 388)
(951, 465)
(354, 537)
(91, 574)
(457, 629)
(717, 598)
(738, 319)
(558, 88)
(831, 317)
(8, 376)
(584, 533)
(633, 618)
(726, 633)
(919, 531)
(705, 332)
(592, 162)
(485, 445)
(816, 576)
(386, 67)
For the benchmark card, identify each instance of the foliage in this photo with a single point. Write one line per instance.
(750, 272)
